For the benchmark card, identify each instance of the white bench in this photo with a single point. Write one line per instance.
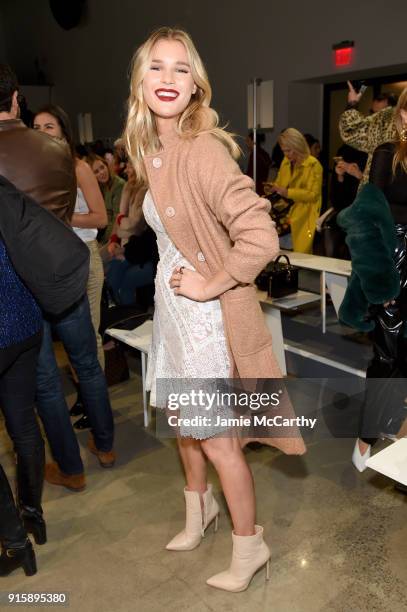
(140, 339)
(272, 308)
(334, 274)
(331, 269)
(392, 461)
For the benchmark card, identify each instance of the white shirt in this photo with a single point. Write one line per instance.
(84, 233)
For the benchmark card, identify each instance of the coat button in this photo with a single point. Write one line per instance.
(201, 256)
(170, 211)
(157, 162)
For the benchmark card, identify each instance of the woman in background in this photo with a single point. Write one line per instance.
(89, 215)
(86, 355)
(131, 245)
(300, 180)
(389, 173)
(111, 186)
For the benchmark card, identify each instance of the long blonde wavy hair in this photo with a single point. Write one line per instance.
(140, 133)
(400, 156)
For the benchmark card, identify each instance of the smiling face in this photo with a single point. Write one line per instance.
(45, 122)
(168, 84)
(101, 171)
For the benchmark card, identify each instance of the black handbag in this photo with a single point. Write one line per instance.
(280, 208)
(278, 279)
(283, 279)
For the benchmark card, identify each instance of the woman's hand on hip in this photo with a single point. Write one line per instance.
(189, 283)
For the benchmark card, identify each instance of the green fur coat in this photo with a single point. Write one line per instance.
(371, 238)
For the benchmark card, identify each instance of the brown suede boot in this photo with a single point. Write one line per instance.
(73, 482)
(106, 458)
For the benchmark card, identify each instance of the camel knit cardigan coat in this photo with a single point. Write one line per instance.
(216, 220)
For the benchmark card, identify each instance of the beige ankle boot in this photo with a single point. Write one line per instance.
(250, 553)
(196, 520)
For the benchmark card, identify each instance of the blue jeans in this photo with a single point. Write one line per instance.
(76, 333)
(124, 278)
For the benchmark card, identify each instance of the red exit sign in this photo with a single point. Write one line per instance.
(343, 53)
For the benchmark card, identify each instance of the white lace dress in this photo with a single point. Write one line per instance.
(188, 337)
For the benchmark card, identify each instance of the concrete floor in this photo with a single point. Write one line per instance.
(338, 538)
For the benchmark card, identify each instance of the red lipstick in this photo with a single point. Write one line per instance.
(167, 95)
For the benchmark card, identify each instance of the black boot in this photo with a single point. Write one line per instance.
(13, 557)
(30, 479)
(82, 423)
(17, 550)
(35, 524)
(77, 408)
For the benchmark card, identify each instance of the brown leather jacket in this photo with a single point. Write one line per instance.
(38, 165)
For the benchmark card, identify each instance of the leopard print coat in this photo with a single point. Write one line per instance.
(367, 133)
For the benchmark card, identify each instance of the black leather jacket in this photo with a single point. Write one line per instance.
(39, 166)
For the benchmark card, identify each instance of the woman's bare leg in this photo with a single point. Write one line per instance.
(194, 462)
(236, 479)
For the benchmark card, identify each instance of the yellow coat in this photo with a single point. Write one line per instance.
(304, 185)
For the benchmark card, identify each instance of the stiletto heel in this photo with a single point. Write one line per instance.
(197, 520)
(359, 460)
(216, 523)
(250, 554)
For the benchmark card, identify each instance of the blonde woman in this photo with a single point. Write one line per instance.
(214, 235)
(299, 179)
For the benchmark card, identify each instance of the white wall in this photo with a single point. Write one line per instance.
(289, 42)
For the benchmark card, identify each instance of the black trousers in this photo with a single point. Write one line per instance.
(18, 365)
(384, 407)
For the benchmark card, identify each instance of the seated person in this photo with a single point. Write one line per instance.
(111, 186)
(132, 246)
(133, 269)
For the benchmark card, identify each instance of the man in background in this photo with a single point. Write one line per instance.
(43, 169)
